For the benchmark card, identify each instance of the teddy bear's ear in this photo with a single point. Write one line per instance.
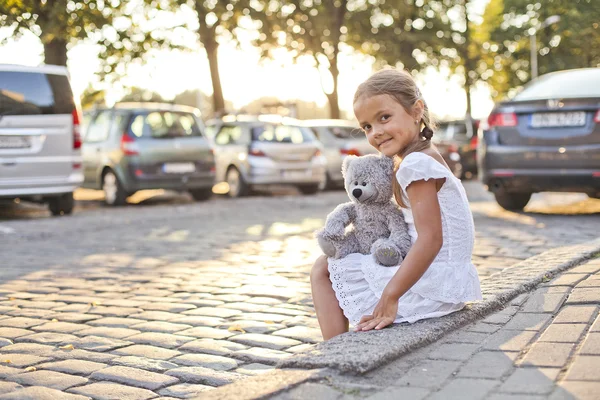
(346, 164)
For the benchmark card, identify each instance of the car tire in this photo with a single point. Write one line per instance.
(61, 205)
(201, 194)
(114, 193)
(512, 201)
(309, 189)
(237, 185)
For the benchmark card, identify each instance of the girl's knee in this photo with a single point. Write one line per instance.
(319, 269)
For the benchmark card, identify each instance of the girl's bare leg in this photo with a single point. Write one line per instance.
(331, 317)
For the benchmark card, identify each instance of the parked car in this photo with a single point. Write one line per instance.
(254, 152)
(547, 138)
(40, 156)
(340, 138)
(461, 137)
(135, 146)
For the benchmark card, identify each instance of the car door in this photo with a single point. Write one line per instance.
(94, 146)
(229, 150)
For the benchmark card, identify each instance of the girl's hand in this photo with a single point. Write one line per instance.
(383, 315)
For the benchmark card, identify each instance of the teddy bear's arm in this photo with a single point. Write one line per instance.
(399, 231)
(338, 219)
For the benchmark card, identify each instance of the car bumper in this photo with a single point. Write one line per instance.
(178, 184)
(12, 188)
(268, 176)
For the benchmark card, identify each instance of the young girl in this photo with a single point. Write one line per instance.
(437, 276)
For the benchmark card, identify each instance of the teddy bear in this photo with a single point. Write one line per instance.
(378, 225)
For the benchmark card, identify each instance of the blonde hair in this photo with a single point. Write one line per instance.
(401, 87)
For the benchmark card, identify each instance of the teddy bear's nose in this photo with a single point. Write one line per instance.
(357, 193)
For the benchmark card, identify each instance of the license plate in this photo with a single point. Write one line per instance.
(296, 174)
(559, 119)
(15, 142)
(179, 168)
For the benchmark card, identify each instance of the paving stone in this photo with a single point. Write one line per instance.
(73, 367)
(211, 346)
(453, 351)
(113, 391)
(251, 326)
(507, 340)
(587, 296)
(465, 336)
(160, 326)
(154, 352)
(261, 355)
(214, 312)
(31, 313)
(584, 368)
(575, 314)
(155, 316)
(588, 268)
(51, 379)
(40, 393)
(259, 300)
(198, 320)
(6, 371)
(208, 332)
(267, 341)
(566, 280)
(147, 364)
(543, 302)
(5, 342)
(204, 376)
(109, 332)
(311, 390)
(48, 338)
(61, 327)
(412, 393)
(116, 322)
(246, 307)
(465, 389)
(531, 381)
(7, 387)
(20, 360)
(168, 307)
(576, 391)
(30, 348)
(508, 396)
(428, 373)
(218, 363)
(591, 344)
(13, 333)
(134, 377)
(304, 334)
(488, 364)
(74, 317)
(254, 369)
(166, 340)
(529, 322)
(184, 390)
(544, 354)
(563, 333)
(300, 348)
(111, 311)
(596, 325)
(263, 317)
(21, 322)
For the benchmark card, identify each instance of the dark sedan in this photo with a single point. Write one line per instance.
(547, 138)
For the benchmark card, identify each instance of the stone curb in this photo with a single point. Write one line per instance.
(357, 353)
(360, 352)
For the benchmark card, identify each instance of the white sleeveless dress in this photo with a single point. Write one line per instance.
(449, 282)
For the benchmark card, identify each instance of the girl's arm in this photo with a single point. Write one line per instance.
(428, 222)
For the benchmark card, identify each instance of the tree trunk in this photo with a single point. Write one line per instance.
(339, 11)
(334, 107)
(213, 63)
(55, 52)
(469, 62)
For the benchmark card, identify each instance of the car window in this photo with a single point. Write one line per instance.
(30, 93)
(344, 132)
(568, 84)
(282, 134)
(99, 127)
(229, 134)
(460, 131)
(165, 125)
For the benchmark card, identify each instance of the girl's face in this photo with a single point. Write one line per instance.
(388, 127)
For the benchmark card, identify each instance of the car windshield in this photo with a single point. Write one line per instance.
(282, 134)
(165, 124)
(568, 84)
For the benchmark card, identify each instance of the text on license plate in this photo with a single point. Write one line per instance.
(558, 119)
(179, 168)
(15, 142)
(296, 174)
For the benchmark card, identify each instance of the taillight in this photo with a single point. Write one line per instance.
(502, 119)
(597, 117)
(350, 152)
(128, 145)
(256, 153)
(76, 129)
(452, 148)
(317, 153)
(473, 142)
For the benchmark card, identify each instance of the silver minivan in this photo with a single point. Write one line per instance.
(340, 138)
(40, 142)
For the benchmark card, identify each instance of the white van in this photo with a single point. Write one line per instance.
(40, 141)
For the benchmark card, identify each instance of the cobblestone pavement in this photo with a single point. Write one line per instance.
(175, 298)
(543, 345)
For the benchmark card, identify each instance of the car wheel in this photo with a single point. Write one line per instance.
(201, 194)
(61, 205)
(237, 185)
(114, 194)
(309, 189)
(512, 201)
